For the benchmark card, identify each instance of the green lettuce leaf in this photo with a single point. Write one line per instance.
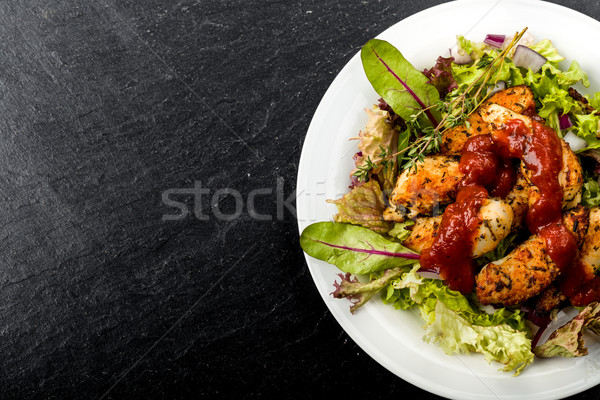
(547, 49)
(591, 192)
(594, 100)
(363, 206)
(465, 75)
(586, 126)
(377, 140)
(474, 49)
(417, 291)
(399, 231)
(460, 326)
(401, 85)
(359, 293)
(354, 249)
(567, 341)
(569, 77)
(500, 343)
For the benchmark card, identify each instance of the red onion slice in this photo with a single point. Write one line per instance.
(564, 121)
(575, 142)
(501, 85)
(528, 58)
(459, 59)
(429, 275)
(495, 41)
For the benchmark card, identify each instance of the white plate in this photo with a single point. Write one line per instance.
(393, 338)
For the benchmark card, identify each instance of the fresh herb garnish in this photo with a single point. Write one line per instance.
(455, 109)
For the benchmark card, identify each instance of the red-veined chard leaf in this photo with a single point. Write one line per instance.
(354, 249)
(401, 85)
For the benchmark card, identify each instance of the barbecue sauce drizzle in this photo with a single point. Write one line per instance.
(486, 162)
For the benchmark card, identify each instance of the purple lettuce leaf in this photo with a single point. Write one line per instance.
(359, 293)
(567, 341)
(440, 76)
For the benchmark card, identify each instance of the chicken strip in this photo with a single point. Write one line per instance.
(419, 191)
(585, 224)
(590, 249)
(550, 299)
(496, 221)
(518, 99)
(423, 233)
(496, 116)
(522, 274)
(570, 177)
(518, 200)
(526, 271)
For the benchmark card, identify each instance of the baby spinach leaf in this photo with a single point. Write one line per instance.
(354, 249)
(401, 85)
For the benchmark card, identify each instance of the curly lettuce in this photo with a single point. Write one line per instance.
(500, 343)
(363, 206)
(567, 341)
(458, 326)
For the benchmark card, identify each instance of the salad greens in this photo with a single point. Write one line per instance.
(500, 342)
(377, 142)
(354, 249)
(363, 206)
(400, 84)
(415, 109)
(567, 341)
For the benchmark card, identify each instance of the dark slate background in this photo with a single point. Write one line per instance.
(107, 105)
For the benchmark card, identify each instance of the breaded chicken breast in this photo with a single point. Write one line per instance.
(590, 249)
(527, 270)
(419, 191)
(518, 200)
(518, 99)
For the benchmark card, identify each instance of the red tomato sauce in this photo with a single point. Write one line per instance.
(580, 285)
(450, 254)
(486, 163)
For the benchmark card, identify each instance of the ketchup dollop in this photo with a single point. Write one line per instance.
(450, 254)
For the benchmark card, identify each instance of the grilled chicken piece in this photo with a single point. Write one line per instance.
(495, 116)
(496, 221)
(570, 177)
(550, 299)
(423, 233)
(522, 274)
(518, 200)
(577, 221)
(417, 192)
(590, 249)
(585, 224)
(518, 99)
(526, 271)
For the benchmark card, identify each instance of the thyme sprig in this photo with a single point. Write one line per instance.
(455, 109)
(386, 161)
